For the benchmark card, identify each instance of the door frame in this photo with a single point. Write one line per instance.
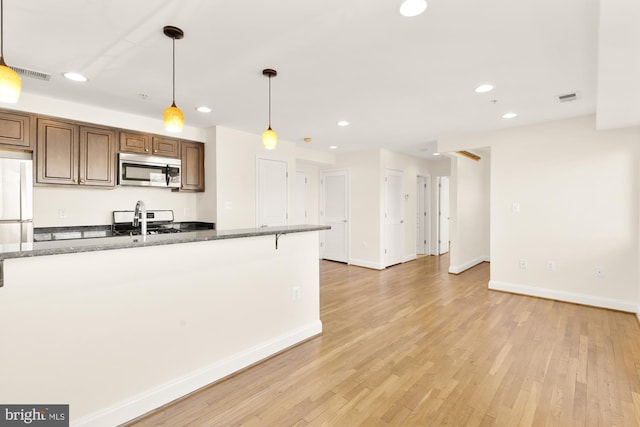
(295, 195)
(438, 219)
(425, 206)
(321, 217)
(398, 173)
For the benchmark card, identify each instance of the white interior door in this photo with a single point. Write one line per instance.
(422, 216)
(272, 193)
(393, 218)
(299, 214)
(335, 213)
(443, 214)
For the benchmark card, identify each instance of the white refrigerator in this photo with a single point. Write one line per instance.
(16, 198)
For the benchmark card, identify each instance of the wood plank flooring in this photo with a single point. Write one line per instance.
(415, 346)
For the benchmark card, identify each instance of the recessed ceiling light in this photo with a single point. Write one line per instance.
(333, 147)
(436, 154)
(484, 88)
(509, 115)
(204, 109)
(76, 77)
(410, 8)
(343, 123)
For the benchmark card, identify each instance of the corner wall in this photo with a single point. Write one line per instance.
(469, 196)
(578, 195)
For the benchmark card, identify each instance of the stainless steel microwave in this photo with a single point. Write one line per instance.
(148, 171)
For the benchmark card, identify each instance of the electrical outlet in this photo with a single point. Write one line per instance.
(62, 214)
(599, 272)
(185, 212)
(551, 265)
(522, 263)
(296, 293)
(515, 207)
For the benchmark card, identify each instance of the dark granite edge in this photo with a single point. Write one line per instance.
(123, 242)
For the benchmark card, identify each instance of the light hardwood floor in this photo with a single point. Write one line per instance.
(415, 346)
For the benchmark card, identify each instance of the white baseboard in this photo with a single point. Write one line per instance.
(575, 298)
(457, 269)
(144, 402)
(411, 257)
(366, 264)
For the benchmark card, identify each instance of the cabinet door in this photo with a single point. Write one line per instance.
(192, 166)
(57, 152)
(166, 147)
(134, 142)
(97, 156)
(15, 130)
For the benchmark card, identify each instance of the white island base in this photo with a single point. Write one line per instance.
(118, 333)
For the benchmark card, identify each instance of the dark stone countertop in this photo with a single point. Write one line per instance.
(56, 247)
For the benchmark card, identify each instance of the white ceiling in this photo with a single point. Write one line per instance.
(401, 82)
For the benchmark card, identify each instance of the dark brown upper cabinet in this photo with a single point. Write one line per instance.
(71, 154)
(192, 166)
(15, 131)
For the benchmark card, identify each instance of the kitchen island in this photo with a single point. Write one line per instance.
(119, 326)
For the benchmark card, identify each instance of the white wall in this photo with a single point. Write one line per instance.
(365, 221)
(578, 191)
(207, 202)
(469, 211)
(115, 343)
(367, 201)
(411, 168)
(60, 207)
(312, 172)
(87, 113)
(236, 159)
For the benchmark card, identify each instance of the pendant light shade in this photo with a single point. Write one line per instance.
(10, 82)
(173, 117)
(269, 139)
(269, 136)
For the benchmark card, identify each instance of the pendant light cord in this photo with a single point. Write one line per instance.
(269, 101)
(174, 71)
(2, 29)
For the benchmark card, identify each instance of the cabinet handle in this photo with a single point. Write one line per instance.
(155, 151)
(82, 181)
(146, 149)
(75, 180)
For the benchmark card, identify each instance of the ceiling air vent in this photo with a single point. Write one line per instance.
(32, 73)
(568, 97)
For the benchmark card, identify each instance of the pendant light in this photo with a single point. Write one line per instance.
(173, 117)
(269, 137)
(10, 82)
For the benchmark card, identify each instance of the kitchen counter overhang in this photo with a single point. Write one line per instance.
(57, 247)
(151, 321)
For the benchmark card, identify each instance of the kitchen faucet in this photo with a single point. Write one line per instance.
(140, 215)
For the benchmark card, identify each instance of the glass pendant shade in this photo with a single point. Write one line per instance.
(269, 139)
(10, 85)
(173, 119)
